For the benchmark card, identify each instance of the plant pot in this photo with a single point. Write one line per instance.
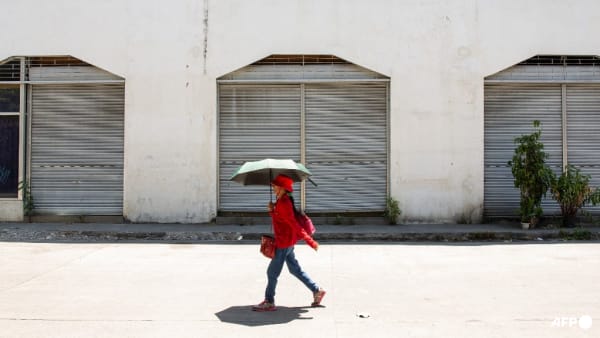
(524, 225)
(569, 221)
(533, 222)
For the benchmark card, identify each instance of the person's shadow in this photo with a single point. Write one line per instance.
(243, 315)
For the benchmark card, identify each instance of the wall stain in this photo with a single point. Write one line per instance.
(205, 23)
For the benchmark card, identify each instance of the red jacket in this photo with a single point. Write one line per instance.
(285, 227)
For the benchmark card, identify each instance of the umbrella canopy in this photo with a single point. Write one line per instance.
(264, 171)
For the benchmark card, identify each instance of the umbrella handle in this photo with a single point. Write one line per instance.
(270, 186)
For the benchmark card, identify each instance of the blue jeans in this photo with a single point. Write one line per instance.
(274, 270)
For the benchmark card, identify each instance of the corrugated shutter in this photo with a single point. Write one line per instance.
(71, 73)
(255, 122)
(77, 149)
(547, 73)
(346, 147)
(509, 112)
(583, 131)
(301, 73)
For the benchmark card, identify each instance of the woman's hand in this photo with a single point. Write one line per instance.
(270, 206)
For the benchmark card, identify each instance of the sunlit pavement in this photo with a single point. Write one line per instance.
(373, 290)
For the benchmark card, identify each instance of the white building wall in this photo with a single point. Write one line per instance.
(11, 210)
(436, 52)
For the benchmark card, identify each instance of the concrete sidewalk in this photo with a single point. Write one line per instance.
(111, 232)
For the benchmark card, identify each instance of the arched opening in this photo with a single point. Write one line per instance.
(71, 117)
(321, 110)
(563, 93)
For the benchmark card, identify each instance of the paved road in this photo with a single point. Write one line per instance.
(205, 290)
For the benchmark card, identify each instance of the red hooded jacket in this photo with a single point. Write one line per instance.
(285, 227)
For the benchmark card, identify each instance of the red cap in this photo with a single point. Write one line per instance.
(284, 182)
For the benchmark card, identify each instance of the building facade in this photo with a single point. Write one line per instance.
(142, 109)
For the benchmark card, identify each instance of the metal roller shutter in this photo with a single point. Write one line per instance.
(321, 109)
(255, 122)
(77, 149)
(509, 112)
(346, 146)
(70, 73)
(583, 131)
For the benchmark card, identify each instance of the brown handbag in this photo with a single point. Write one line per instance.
(267, 246)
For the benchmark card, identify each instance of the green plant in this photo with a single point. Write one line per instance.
(577, 234)
(532, 175)
(392, 210)
(572, 191)
(27, 197)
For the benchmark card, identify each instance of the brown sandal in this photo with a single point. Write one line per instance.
(318, 297)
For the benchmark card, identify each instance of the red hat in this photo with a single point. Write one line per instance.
(284, 182)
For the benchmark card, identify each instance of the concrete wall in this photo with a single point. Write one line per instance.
(11, 210)
(436, 52)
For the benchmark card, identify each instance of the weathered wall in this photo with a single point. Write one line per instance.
(436, 53)
(11, 211)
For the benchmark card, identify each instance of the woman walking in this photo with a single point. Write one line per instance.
(287, 232)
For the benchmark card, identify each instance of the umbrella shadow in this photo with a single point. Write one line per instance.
(243, 315)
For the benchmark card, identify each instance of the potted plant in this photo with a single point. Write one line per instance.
(572, 191)
(532, 175)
